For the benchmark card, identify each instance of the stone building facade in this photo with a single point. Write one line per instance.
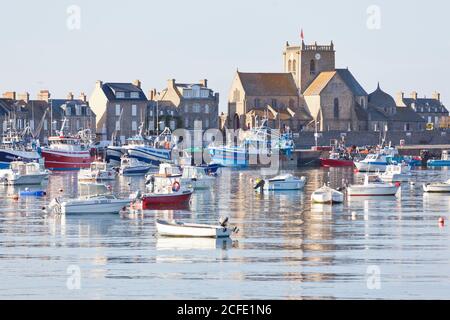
(272, 96)
(120, 108)
(432, 110)
(183, 105)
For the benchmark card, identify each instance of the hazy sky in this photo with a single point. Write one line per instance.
(190, 40)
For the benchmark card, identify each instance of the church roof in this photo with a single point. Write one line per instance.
(406, 114)
(268, 84)
(381, 99)
(322, 80)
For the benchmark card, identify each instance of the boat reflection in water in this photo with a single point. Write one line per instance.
(168, 243)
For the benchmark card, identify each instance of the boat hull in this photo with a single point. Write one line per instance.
(336, 163)
(191, 230)
(370, 166)
(150, 201)
(284, 185)
(437, 188)
(96, 206)
(438, 163)
(34, 179)
(141, 170)
(8, 156)
(364, 191)
(57, 160)
(151, 156)
(327, 196)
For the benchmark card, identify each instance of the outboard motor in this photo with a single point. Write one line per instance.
(223, 221)
(260, 184)
(425, 156)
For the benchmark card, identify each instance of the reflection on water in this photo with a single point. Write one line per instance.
(286, 247)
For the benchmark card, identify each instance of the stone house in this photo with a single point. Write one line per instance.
(431, 109)
(120, 109)
(184, 105)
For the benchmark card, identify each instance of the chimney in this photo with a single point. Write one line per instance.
(204, 82)
(70, 96)
(44, 95)
(171, 83)
(24, 97)
(137, 83)
(98, 84)
(414, 95)
(83, 97)
(152, 94)
(436, 96)
(10, 95)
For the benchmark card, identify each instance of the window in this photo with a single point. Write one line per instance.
(151, 113)
(205, 93)
(134, 95)
(196, 91)
(290, 66)
(78, 110)
(67, 111)
(294, 66)
(429, 119)
(274, 103)
(336, 108)
(32, 124)
(375, 127)
(186, 122)
(78, 124)
(117, 125)
(118, 110)
(312, 67)
(207, 123)
(45, 125)
(196, 108)
(436, 120)
(120, 95)
(257, 103)
(134, 110)
(151, 125)
(172, 124)
(407, 127)
(186, 108)
(362, 103)
(133, 126)
(206, 108)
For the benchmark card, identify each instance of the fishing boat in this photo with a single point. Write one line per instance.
(22, 173)
(15, 147)
(115, 153)
(106, 203)
(396, 173)
(283, 182)
(336, 159)
(256, 146)
(443, 162)
(377, 161)
(131, 166)
(68, 152)
(197, 178)
(181, 229)
(97, 171)
(437, 187)
(157, 151)
(327, 195)
(373, 186)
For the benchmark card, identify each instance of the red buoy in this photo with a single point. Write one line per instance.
(441, 221)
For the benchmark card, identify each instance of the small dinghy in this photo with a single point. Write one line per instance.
(192, 230)
(106, 203)
(373, 186)
(327, 195)
(437, 187)
(280, 183)
(32, 193)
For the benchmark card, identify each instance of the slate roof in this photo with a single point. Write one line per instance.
(268, 84)
(381, 99)
(110, 90)
(322, 80)
(425, 103)
(406, 114)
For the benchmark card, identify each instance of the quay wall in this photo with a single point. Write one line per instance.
(305, 140)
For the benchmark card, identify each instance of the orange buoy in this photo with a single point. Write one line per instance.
(61, 190)
(15, 197)
(441, 221)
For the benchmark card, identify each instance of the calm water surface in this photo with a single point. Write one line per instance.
(286, 248)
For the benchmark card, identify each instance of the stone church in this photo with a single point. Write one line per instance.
(312, 93)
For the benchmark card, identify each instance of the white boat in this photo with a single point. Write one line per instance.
(396, 173)
(21, 173)
(373, 186)
(280, 183)
(437, 187)
(197, 178)
(97, 171)
(106, 203)
(132, 166)
(377, 161)
(327, 195)
(180, 229)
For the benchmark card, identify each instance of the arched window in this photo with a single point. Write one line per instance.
(289, 65)
(294, 66)
(312, 67)
(336, 108)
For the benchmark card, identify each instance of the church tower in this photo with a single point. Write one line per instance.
(305, 62)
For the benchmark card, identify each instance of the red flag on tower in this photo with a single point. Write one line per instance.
(302, 36)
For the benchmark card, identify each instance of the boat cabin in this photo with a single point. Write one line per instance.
(193, 172)
(371, 179)
(445, 155)
(100, 166)
(22, 168)
(168, 170)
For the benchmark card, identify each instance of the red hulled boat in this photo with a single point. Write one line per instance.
(67, 153)
(175, 199)
(335, 160)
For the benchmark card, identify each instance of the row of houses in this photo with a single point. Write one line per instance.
(114, 110)
(312, 94)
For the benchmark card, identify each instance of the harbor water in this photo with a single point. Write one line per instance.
(287, 248)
